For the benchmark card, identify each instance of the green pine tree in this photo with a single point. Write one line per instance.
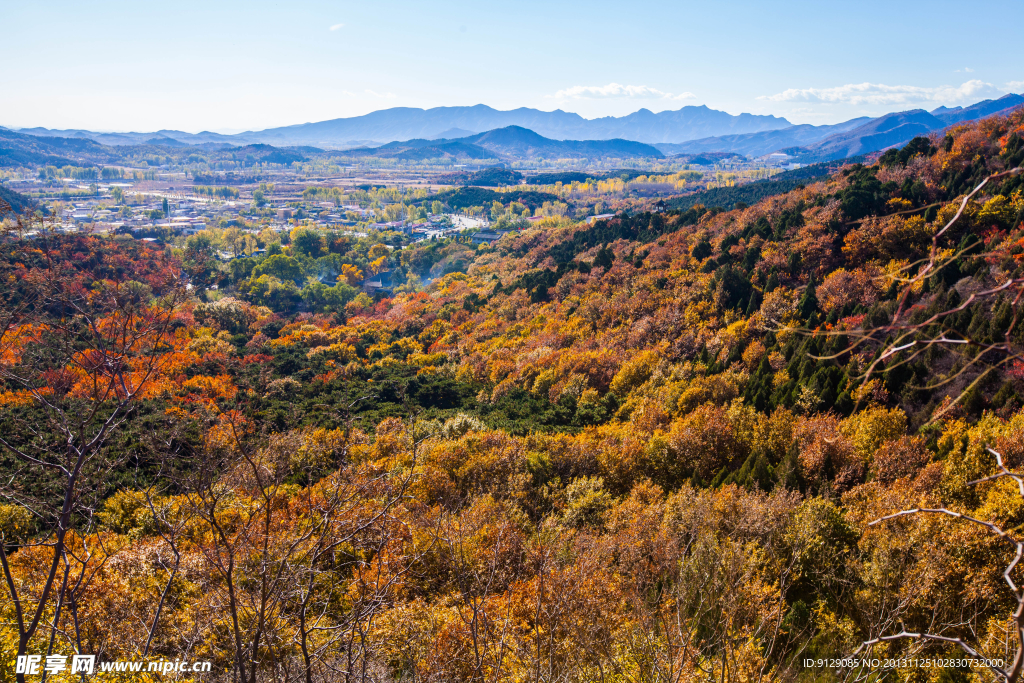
(809, 301)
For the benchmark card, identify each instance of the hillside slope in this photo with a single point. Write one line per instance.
(759, 144)
(891, 129)
(18, 202)
(856, 136)
(19, 149)
(899, 128)
(979, 110)
(518, 142)
(650, 448)
(511, 142)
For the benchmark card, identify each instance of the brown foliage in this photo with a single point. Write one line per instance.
(901, 458)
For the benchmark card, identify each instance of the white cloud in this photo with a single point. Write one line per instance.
(384, 96)
(1015, 86)
(335, 27)
(877, 93)
(965, 70)
(614, 90)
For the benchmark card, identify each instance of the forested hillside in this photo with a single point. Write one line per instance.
(645, 449)
(16, 202)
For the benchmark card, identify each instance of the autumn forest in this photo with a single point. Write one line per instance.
(704, 443)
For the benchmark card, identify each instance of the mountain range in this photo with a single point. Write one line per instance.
(856, 136)
(448, 133)
(406, 123)
(759, 144)
(21, 149)
(510, 142)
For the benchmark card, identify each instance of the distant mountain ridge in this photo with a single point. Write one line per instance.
(885, 131)
(510, 142)
(406, 123)
(20, 149)
(898, 128)
(853, 137)
(454, 139)
(977, 111)
(515, 141)
(759, 144)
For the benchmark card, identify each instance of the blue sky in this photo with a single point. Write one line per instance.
(226, 65)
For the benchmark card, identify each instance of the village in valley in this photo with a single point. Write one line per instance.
(244, 209)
